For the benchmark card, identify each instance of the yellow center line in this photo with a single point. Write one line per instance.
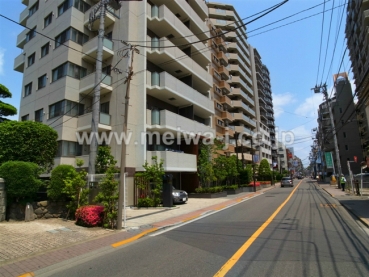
(236, 256)
(120, 243)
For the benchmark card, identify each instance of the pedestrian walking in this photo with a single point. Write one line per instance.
(343, 182)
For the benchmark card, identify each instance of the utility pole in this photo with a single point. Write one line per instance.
(327, 101)
(132, 50)
(98, 12)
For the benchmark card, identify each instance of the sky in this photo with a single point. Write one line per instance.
(298, 56)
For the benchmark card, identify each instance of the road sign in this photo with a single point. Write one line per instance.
(328, 159)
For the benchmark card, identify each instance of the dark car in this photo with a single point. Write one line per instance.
(179, 196)
(286, 181)
(300, 177)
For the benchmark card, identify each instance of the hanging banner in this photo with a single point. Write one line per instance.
(328, 159)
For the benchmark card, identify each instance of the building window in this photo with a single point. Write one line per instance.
(31, 59)
(33, 9)
(344, 134)
(25, 117)
(39, 115)
(28, 89)
(45, 50)
(104, 108)
(48, 19)
(346, 147)
(81, 5)
(340, 110)
(65, 107)
(31, 34)
(71, 34)
(42, 81)
(64, 6)
(68, 69)
(68, 149)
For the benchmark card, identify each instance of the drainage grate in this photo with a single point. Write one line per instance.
(328, 205)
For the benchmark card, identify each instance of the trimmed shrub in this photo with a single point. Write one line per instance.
(209, 189)
(145, 202)
(56, 185)
(90, 216)
(231, 187)
(21, 179)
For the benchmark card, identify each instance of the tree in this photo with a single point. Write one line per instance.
(220, 169)
(108, 196)
(6, 109)
(28, 141)
(264, 170)
(21, 179)
(246, 175)
(205, 166)
(104, 160)
(75, 189)
(56, 185)
(154, 173)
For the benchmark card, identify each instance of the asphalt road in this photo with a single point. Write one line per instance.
(310, 234)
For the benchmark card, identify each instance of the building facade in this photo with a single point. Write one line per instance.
(357, 42)
(171, 91)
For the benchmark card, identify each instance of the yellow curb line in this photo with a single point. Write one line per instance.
(366, 222)
(220, 208)
(120, 243)
(28, 274)
(190, 218)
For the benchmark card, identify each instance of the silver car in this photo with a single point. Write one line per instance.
(286, 181)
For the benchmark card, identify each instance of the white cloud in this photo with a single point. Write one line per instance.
(282, 100)
(2, 52)
(310, 105)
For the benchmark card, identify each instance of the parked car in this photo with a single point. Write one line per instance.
(286, 181)
(300, 177)
(179, 196)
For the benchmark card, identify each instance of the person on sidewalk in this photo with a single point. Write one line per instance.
(343, 182)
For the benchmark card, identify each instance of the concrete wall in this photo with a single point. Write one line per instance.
(2, 200)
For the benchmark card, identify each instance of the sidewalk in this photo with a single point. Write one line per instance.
(357, 205)
(30, 246)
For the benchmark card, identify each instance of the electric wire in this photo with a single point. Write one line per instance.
(7, 18)
(326, 50)
(321, 42)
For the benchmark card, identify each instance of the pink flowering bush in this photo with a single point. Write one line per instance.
(90, 216)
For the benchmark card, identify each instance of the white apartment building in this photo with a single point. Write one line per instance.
(171, 90)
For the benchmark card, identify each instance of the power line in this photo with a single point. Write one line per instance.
(48, 37)
(321, 42)
(231, 30)
(326, 50)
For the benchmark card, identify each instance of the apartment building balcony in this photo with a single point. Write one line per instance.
(87, 84)
(245, 119)
(165, 120)
(240, 82)
(243, 156)
(240, 93)
(230, 130)
(84, 122)
(225, 87)
(220, 74)
(163, 21)
(90, 49)
(25, 2)
(219, 41)
(160, 55)
(222, 58)
(269, 108)
(226, 101)
(226, 24)
(174, 161)
(243, 130)
(227, 116)
(270, 115)
(164, 86)
(111, 16)
(19, 62)
(23, 17)
(272, 131)
(200, 7)
(263, 117)
(239, 104)
(270, 123)
(220, 12)
(22, 38)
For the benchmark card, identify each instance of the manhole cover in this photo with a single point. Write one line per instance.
(328, 205)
